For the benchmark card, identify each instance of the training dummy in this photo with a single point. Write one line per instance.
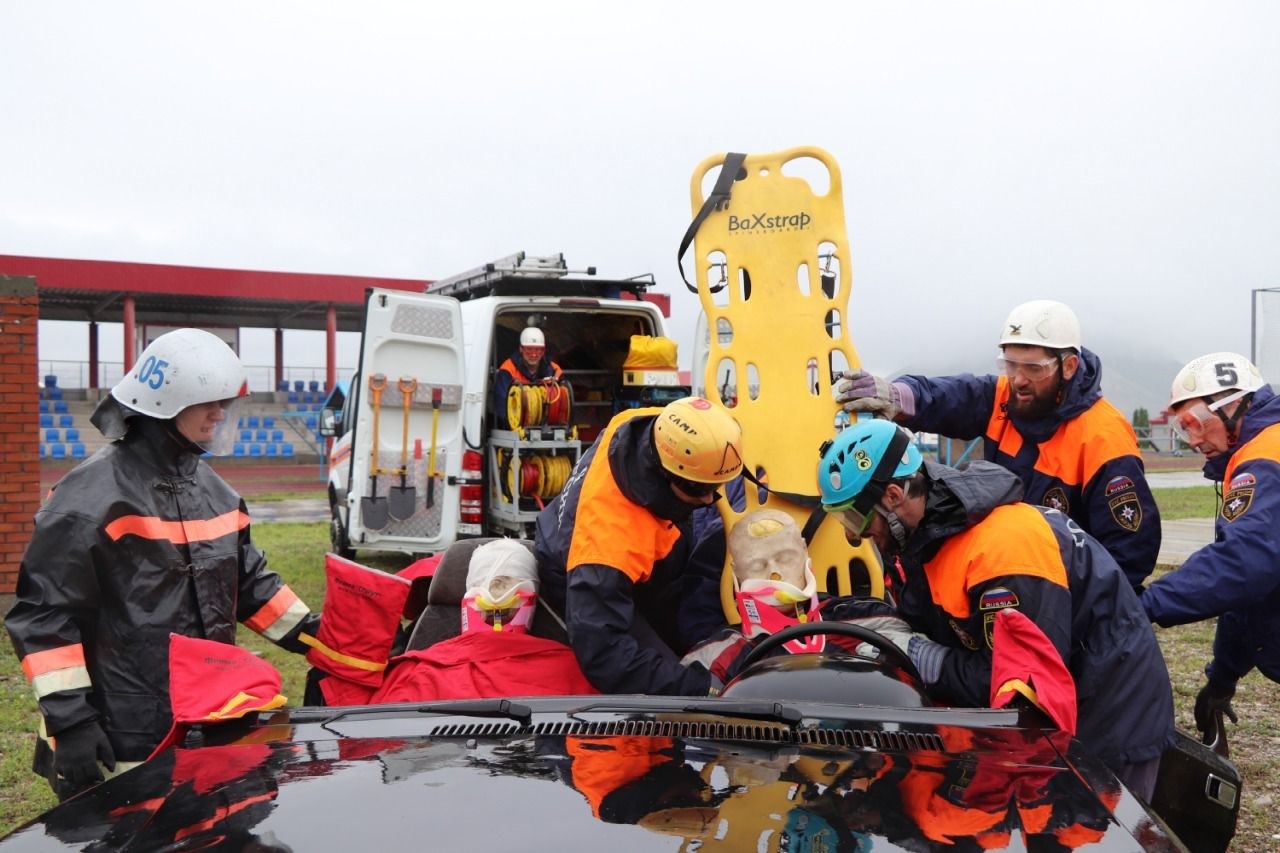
(774, 588)
(494, 656)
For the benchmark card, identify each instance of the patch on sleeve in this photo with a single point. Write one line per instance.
(1237, 500)
(997, 598)
(1118, 484)
(1126, 510)
(1056, 498)
(989, 629)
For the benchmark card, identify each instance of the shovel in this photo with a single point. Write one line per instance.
(431, 459)
(373, 509)
(401, 498)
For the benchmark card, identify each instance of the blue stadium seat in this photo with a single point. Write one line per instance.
(58, 451)
(59, 407)
(46, 421)
(255, 449)
(313, 386)
(238, 450)
(292, 398)
(50, 380)
(52, 435)
(44, 406)
(299, 385)
(286, 449)
(271, 450)
(268, 421)
(252, 422)
(277, 435)
(282, 385)
(65, 421)
(246, 435)
(313, 422)
(260, 435)
(53, 394)
(77, 450)
(71, 436)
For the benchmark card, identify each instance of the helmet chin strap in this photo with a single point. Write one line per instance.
(1232, 422)
(897, 529)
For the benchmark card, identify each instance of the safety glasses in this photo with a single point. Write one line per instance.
(1033, 370)
(850, 519)
(1194, 418)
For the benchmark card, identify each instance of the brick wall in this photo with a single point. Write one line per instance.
(19, 423)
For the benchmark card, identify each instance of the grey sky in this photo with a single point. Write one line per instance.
(1120, 156)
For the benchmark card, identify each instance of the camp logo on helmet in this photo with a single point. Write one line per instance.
(730, 462)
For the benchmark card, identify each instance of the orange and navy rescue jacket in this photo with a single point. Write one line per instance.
(1082, 460)
(1237, 576)
(977, 551)
(140, 541)
(613, 549)
(511, 372)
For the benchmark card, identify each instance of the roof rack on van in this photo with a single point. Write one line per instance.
(534, 275)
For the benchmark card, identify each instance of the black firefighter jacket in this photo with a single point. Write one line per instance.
(141, 540)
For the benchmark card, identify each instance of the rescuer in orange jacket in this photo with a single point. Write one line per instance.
(968, 549)
(613, 547)
(527, 366)
(141, 541)
(1044, 419)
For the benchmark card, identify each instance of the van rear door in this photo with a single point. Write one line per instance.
(411, 350)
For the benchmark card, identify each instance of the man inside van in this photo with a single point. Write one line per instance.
(528, 365)
(613, 547)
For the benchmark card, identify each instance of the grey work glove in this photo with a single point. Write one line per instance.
(859, 391)
(928, 657)
(1213, 699)
(76, 754)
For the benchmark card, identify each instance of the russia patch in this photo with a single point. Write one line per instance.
(1241, 481)
(997, 598)
(1126, 510)
(1118, 484)
(1236, 502)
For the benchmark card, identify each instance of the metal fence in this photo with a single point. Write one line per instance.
(75, 374)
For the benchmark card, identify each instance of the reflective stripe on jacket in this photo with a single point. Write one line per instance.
(140, 541)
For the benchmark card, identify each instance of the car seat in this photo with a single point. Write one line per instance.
(442, 619)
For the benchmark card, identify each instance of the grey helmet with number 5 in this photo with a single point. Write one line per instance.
(185, 367)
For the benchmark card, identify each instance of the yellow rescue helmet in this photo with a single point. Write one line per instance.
(698, 441)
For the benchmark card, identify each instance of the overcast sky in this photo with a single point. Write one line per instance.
(1123, 157)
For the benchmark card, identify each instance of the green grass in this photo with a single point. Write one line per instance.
(1188, 502)
(296, 551)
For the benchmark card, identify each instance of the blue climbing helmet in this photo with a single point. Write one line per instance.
(862, 460)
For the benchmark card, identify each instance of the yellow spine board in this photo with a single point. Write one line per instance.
(768, 246)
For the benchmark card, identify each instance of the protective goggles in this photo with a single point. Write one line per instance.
(1195, 417)
(533, 353)
(1033, 370)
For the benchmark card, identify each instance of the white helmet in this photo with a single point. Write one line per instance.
(1212, 373)
(1042, 323)
(182, 368)
(532, 337)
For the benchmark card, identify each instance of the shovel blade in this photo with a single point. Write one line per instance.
(374, 512)
(400, 501)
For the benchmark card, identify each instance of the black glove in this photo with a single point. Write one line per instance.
(1213, 699)
(76, 755)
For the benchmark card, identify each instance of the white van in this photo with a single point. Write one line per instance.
(415, 479)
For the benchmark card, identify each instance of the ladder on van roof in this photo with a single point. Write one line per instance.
(520, 274)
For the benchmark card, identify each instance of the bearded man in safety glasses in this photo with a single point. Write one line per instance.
(1044, 418)
(1221, 406)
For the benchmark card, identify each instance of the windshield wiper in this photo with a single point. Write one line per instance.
(499, 708)
(775, 712)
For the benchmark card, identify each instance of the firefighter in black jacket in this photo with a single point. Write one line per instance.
(140, 541)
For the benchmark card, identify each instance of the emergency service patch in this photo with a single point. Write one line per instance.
(989, 629)
(997, 598)
(1118, 484)
(1126, 510)
(1241, 481)
(1056, 498)
(1236, 501)
(965, 640)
